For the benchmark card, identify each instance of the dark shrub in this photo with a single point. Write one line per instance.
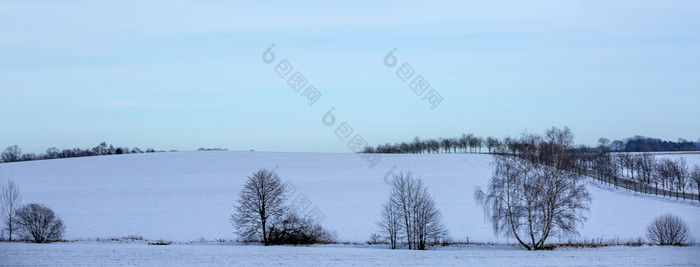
(668, 229)
(294, 229)
(39, 223)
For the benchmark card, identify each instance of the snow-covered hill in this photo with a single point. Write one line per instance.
(185, 196)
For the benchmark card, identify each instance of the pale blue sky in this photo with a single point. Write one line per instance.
(185, 74)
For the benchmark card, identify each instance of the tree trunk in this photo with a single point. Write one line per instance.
(264, 230)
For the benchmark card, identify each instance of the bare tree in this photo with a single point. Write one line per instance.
(434, 146)
(672, 174)
(604, 162)
(463, 143)
(260, 202)
(11, 154)
(52, 153)
(427, 218)
(662, 172)
(401, 197)
(474, 142)
(621, 159)
(627, 162)
(617, 146)
(40, 223)
(646, 163)
(532, 195)
(695, 178)
(391, 222)
(492, 144)
(680, 175)
(479, 143)
(417, 211)
(10, 201)
(668, 229)
(418, 145)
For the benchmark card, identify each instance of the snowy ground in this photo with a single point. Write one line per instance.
(104, 254)
(185, 196)
(188, 196)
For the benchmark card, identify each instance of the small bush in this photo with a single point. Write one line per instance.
(297, 230)
(549, 247)
(668, 229)
(446, 241)
(160, 243)
(375, 239)
(600, 242)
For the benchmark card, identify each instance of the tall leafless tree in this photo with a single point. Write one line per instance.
(463, 142)
(391, 222)
(474, 142)
(417, 211)
(532, 196)
(260, 202)
(479, 143)
(665, 172)
(646, 163)
(627, 162)
(418, 145)
(10, 201)
(695, 178)
(492, 144)
(620, 160)
(680, 175)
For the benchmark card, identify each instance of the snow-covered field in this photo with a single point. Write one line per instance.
(104, 254)
(189, 196)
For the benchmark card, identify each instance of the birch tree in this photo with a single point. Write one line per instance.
(391, 222)
(533, 195)
(10, 201)
(417, 211)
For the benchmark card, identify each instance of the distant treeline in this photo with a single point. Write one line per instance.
(14, 153)
(646, 144)
(474, 144)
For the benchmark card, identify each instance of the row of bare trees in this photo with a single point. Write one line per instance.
(467, 143)
(646, 169)
(14, 153)
(410, 214)
(474, 144)
(643, 172)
